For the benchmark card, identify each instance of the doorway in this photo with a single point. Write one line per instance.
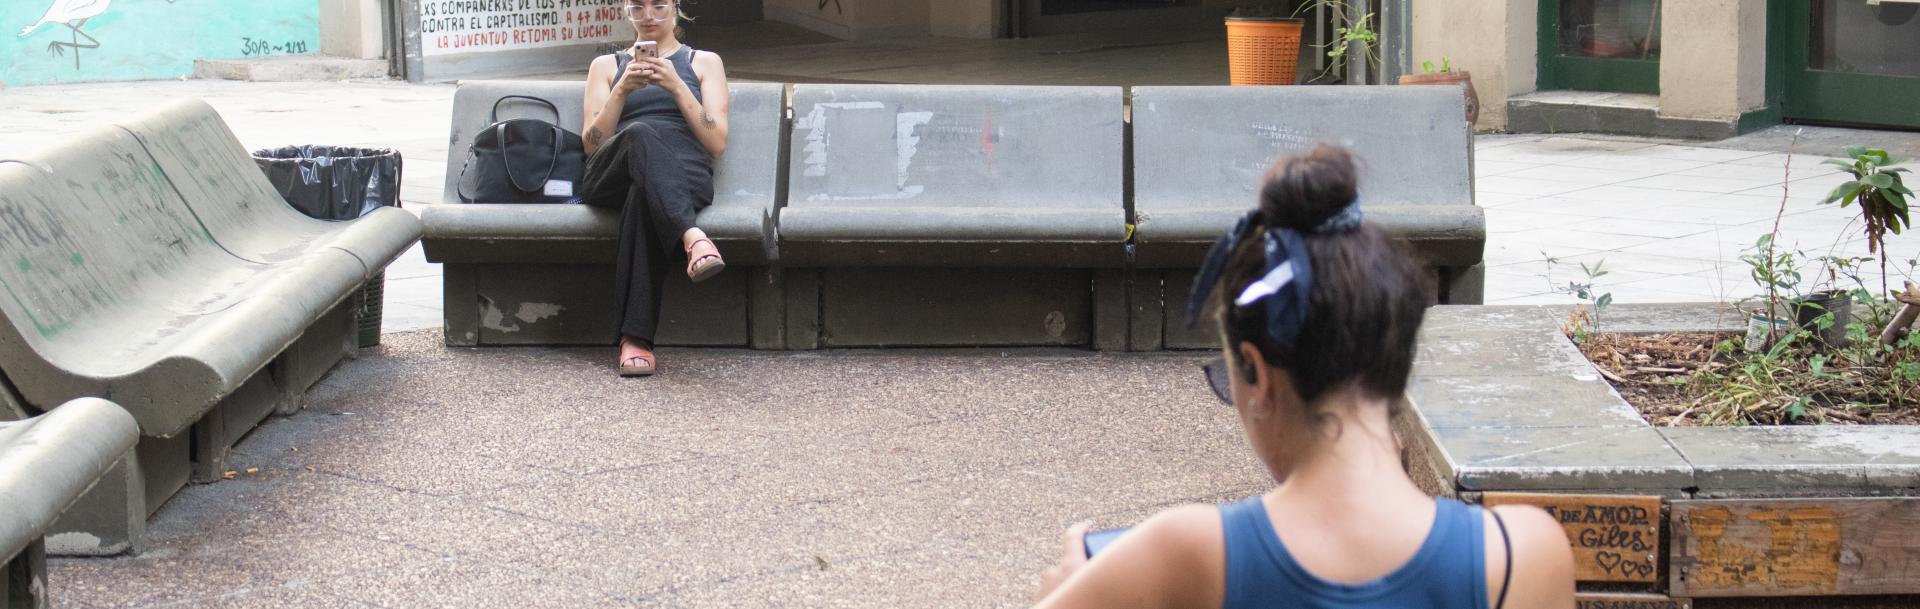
(1851, 62)
(1600, 45)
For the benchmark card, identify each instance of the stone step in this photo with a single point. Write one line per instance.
(1602, 112)
(290, 68)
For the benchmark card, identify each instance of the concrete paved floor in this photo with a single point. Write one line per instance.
(420, 476)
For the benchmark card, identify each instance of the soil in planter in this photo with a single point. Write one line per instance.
(1665, 377)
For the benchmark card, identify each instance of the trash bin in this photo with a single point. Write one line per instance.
(339, 183)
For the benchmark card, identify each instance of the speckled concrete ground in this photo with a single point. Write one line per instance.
(420, 476)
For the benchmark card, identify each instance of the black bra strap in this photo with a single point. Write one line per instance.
(1506, 545)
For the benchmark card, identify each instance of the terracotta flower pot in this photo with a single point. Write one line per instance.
(1263, 51)
(1461, 77)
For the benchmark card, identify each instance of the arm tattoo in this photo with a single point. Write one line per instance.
(707, 119)
(593, 136)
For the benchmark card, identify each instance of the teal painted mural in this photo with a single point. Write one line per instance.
(56, 41)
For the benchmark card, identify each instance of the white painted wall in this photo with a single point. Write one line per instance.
(1496, 40)
(1713, 58)
(351, 28)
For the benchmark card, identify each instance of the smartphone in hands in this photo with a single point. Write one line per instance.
(1099, 540)
(646, 48)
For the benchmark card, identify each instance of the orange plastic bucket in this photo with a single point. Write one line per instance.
(1263, 51)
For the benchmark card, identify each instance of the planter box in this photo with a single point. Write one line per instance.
(1504, 403)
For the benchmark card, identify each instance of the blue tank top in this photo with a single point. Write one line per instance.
(654, 104)
(1448, 572)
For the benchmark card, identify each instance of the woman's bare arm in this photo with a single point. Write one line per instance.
(605, 98)
(1174, 560)
(708, 118)
(710, 122)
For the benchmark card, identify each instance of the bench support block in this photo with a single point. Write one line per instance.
(767, 316)
(459, 289)
(1147, 331)
(24, 584)
(1110, 310)
(1465, 285)
(803, 309)
(280, 388)
(948, 307)
(111, 518)
(572, 304)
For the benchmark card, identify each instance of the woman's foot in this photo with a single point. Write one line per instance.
(703, 260)
(635, 360)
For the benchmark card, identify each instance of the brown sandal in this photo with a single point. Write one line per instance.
(705, 266)
(645, 369)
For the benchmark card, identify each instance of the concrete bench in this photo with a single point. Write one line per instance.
(46, 463)
(543, 274)
(1199, 154)
(955, 215)
(151, 261)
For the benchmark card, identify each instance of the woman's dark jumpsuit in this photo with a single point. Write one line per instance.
(660, 176)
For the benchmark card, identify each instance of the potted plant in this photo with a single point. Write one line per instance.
(1263, 46)
(1444, 74)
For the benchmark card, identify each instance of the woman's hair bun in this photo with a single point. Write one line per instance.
(1301, 192)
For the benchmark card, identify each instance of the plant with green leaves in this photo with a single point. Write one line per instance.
(1446, 66)
(1346, 32)
(1583, 323)
(1798, 379)
(1775, 271)
(1882, 195)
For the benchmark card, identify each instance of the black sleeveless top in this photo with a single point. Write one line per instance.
(653, 103)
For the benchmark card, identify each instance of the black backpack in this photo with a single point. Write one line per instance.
(523, 160)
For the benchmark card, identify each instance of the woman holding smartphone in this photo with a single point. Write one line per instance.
(656, 118)
(1317, 313)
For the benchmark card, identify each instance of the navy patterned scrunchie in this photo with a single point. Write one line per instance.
(1288, 281)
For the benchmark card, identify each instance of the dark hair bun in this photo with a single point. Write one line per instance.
(1303, 191)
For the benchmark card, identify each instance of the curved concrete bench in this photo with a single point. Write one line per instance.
(149, 265)
(46, 463)
(1014, 196)
(543, 274)
(1199, 154)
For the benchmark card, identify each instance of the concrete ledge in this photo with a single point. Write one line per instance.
(292, 68)
(1505, 402)
(1618, 113)
(1734, 459)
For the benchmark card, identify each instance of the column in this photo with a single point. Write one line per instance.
(1496, 40)
(1713, 61)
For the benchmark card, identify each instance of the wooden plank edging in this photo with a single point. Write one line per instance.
(1795, 547)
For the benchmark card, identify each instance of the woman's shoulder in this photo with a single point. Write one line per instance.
(1537, 549)
(706, 57)
(603, 62)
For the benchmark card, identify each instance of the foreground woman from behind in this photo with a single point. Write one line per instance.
(1317, 313)
(656, 118)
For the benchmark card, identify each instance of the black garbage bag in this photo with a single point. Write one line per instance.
(333, 182)
(339, 183)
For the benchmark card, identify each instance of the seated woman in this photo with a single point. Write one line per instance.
(654, 126)
(1317, 314)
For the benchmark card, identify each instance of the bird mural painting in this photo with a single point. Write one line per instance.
(73, 14)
